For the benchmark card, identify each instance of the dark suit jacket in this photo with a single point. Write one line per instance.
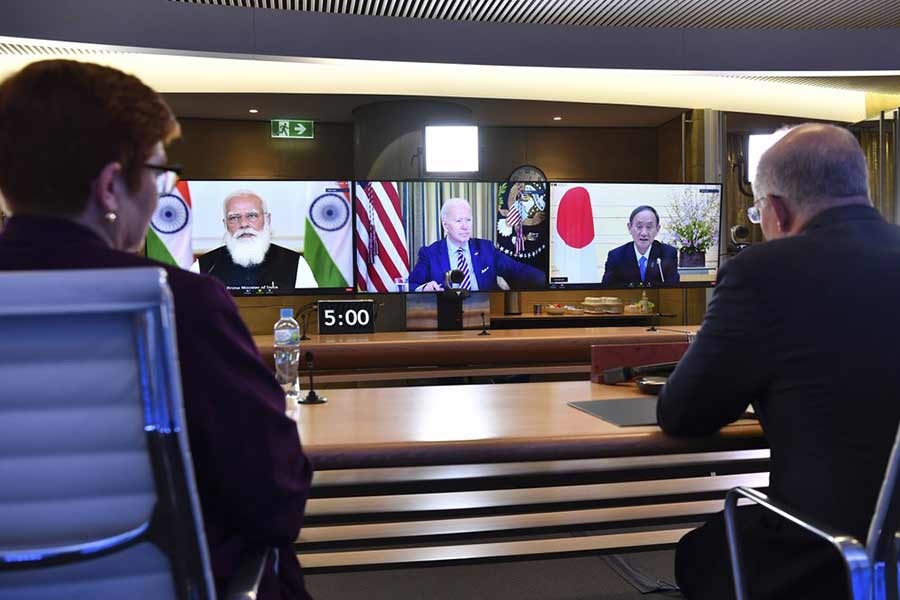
(252, 476)
(487, 262)
(622, 266)
(806, 329)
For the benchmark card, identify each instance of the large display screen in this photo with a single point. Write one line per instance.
(634, 235)
(259, 237)
(412, 235)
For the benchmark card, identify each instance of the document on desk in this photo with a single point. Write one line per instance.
(626, 412)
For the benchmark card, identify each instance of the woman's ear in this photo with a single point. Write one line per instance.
(107, 186)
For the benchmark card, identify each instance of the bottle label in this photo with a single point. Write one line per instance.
(287, 337)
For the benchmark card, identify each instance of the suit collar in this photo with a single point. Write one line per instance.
(842, 214)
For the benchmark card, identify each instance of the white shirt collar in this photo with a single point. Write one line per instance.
(638, 255)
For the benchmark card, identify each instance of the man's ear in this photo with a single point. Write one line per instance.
(783, 212)
(107, 186)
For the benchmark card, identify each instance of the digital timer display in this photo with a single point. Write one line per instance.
(346, 316)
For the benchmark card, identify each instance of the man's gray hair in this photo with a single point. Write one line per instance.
(239, 193)
(450, 203)
(811, 164)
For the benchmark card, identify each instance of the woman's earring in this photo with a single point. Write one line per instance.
(110, 217)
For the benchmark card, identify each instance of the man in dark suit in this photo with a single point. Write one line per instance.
(478, 260)
(88, 206)
(643, 261)
(802, 327)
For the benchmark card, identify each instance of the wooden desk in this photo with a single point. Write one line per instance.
(435, 474)
(428, 354)
(546, 320)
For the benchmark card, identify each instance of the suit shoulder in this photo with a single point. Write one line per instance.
(667, 249)
(618, 251)
(435, 246)
(482, 244)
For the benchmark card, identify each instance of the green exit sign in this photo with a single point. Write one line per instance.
(293, 129)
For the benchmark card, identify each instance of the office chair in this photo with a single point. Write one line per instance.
(96, 481)
(871, 570)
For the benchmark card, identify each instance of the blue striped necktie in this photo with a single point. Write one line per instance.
(643, 265)
(462, 265)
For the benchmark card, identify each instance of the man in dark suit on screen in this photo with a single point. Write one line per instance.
(793, 330)
(643, 261)
(478, 260)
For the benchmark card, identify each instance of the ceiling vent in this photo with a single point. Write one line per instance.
(688, 14)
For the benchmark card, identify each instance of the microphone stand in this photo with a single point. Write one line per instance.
(653, 321)
(312, 397)
(303, 313)
(484, 330)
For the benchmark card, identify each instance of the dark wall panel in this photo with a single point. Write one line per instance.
(586, 153)
(216, 149)
(603, 154)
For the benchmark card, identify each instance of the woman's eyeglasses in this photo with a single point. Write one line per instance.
(166, 177)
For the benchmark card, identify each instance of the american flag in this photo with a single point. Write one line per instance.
(381, 254)
(514, 220)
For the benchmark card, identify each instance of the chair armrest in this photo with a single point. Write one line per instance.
(854, 554)
(244, 584)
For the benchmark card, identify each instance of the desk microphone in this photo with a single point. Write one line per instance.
(621, 374)
(662, 277)
(312, 397)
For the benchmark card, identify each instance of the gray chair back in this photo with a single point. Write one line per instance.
(97, 493)
(881, 541)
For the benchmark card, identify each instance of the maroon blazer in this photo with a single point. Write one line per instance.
(252, 475)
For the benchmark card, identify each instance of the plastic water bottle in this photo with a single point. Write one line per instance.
(287, 355)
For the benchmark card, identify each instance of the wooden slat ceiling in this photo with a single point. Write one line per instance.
(51, 50)
(704, 14)
(881, 84)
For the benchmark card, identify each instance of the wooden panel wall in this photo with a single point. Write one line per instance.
(573, 153)
(219, 149)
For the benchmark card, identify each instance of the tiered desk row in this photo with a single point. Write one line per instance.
(434, 474)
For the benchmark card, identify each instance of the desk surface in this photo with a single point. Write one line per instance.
(485, 423)
(455, 348)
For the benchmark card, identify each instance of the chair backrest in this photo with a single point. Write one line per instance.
(881, 541)
(97, 493)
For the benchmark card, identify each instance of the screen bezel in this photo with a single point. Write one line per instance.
(412, 254)
(284, 291)
(599, 286)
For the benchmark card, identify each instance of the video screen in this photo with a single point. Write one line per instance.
(623, 235)
(259, 237)
(427, 236)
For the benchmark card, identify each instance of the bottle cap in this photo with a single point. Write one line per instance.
(287, 313)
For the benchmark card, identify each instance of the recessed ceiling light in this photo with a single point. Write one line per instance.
(557, 118)
(253, 111)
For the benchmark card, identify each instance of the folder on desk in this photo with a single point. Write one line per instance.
(626, 412)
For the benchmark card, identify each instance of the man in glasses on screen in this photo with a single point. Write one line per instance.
(249, 259)
(643, 261)
(804, 329)
(478, 261)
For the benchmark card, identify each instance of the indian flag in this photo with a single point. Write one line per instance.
(169, 236)
(328, 235)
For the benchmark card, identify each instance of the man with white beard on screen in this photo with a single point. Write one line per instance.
(249, 259)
